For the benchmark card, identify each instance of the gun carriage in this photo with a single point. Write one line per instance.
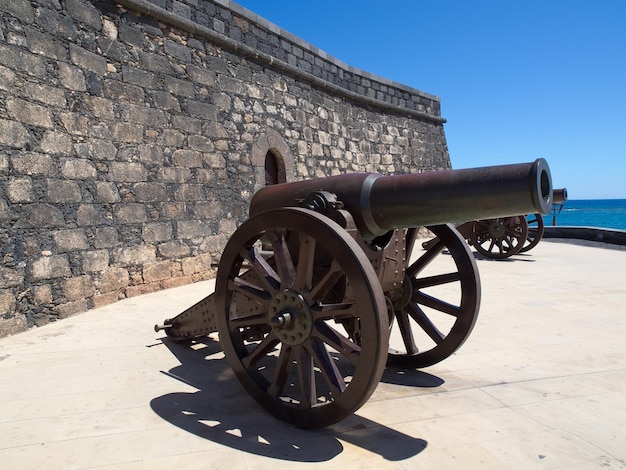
(503, 237)
(322, 286)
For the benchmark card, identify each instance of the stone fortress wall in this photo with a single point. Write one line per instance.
(134, 133)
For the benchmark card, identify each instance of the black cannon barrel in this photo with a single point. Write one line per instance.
(382, 203)
(559, 196)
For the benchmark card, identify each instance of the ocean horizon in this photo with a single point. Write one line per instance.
(602, 213)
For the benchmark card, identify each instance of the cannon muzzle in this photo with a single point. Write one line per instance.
(559, 196)
(382, 203)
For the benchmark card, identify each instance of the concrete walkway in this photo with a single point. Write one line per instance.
(541, 383)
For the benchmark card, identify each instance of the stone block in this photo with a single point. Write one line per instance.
(127, 172)
(50, 267)
(78, 168)
(201, 109)
(42, 295)
(200, 143)
(45, 45)
(150, 192)
(20, 190)
(87, 60)
(10, 326)
(70, 240)
(187, 229)
(11, 277)
(63, 191)
(215, 160)
(100, 300)
(113, 279)
(57, 24)
(157, 271)
(76, 124)
(71, 308)
(196, 264)
(175, 175)
(106, 237)
(39, 216)
(176, 282)
(88, 214)
(55, 143)
(17, 59)
(150, 153)
(134, 255)
(121, 92)
(157, 232)
(95, 261)
(201, 75)
(208, 210)
(127, 132)
(77, 288)
(20, 9)
(100, 107)
(179, 87)
(29, 113)
(84, 12)
(142, 289)
(174, 249)
(191, 192)
(187, 158)
(107, 192)
(131, 213)
(72, 77)
(96, 149)
(155, 118)
(165, 101)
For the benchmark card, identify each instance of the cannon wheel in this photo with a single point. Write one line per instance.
(535, 231)
(441, 301)
(286, 279)
(499, 238)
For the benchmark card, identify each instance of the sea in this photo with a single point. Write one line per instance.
(603, 213)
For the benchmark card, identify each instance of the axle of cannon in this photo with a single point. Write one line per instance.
(382, 203)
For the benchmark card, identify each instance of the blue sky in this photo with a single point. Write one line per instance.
(517, 79)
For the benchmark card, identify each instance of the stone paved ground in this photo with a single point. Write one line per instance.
(541, 383)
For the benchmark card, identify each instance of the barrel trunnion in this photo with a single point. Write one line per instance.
(325, 284)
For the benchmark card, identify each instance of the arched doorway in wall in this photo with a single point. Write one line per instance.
(272, 160)
(273, 173)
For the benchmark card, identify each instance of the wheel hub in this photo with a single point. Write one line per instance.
(290, 317)
(497, 229)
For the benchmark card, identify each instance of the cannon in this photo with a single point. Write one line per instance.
(536, 223)
(503, 237)
(321, 287)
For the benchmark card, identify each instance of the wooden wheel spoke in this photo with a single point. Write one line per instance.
(328, 281)
(425, 323)
(249, 290)
(306, 256)
(282, 257)
(328, 368)
(306, 378)
(262, 349)
(339, 311)
(284, 363)
(402, 318)
(437, 280)
(261, 267)
(256, 319)
(425, 259)
(337, 341)
(434, 303)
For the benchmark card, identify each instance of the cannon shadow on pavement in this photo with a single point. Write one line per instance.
(220, 410)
